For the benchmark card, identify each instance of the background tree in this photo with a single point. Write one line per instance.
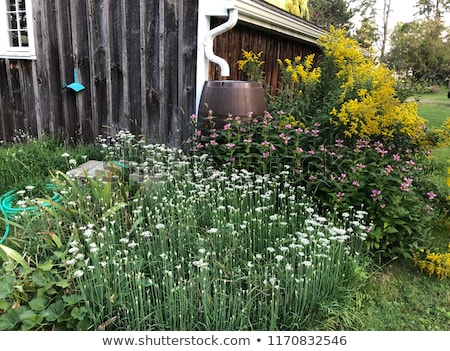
(367, 33)
(419, 52)
(385, 29)
(432, 9)
(326, 13)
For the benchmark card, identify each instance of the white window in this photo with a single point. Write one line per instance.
(16, 29)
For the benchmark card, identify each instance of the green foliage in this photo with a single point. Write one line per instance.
(29, 161)
(419, 52)
(327, 13)
(37, 296)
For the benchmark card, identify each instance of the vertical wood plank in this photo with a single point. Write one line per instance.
(153, 93)
(99, 66)
(187, 66)
(116, 97)
(132, 53)
(83, 130)
(27, 96)
(6, 103)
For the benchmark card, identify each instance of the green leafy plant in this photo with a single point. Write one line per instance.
(37, 296)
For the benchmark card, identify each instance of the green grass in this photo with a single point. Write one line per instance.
(434, 107)
(31, 162)
(399, 297)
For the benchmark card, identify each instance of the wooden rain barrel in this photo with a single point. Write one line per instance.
(234, 97)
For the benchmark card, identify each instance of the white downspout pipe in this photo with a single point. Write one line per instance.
(209, 39)
(205, 41)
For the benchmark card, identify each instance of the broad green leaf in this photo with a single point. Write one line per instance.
(54, 311)
(42, 279)
(46, 266)
(6, 286)
(73, 299)
(30, 320)
(39, 303)
(9, 320)
(79, 313)
(63, 283)
(4, 306)
(11, 254)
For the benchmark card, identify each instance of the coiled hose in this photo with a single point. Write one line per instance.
(7, 208)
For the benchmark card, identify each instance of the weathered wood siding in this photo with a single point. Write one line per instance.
(136, 59)
(229, 45)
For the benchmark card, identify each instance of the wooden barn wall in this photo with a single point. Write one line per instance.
(136, 59)
(229, 45)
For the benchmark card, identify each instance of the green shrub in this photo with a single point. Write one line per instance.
(373, 158)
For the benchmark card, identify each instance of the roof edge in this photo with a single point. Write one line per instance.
(268, 16)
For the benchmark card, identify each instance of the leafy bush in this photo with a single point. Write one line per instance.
(372, 158)
(39, 295)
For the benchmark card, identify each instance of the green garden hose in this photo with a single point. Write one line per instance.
(7, 208)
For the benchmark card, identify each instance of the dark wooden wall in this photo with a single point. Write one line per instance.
(229, 45)
(136, 58)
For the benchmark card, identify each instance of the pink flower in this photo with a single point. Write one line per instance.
(406, 184)
(230, 145)
(388, 169)
(227, 126)
(376, 195)
(431, 195)
(396, 157)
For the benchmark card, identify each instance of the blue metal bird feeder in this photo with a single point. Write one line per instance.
(75, 86)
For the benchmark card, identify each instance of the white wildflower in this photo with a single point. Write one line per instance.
(71, 262)
(79, 257)
(78, 273)
(74, 250)
(164, 256)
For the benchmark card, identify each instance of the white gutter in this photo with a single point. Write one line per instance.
(265, 15)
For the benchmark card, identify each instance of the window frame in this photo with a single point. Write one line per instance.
(14, 52)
